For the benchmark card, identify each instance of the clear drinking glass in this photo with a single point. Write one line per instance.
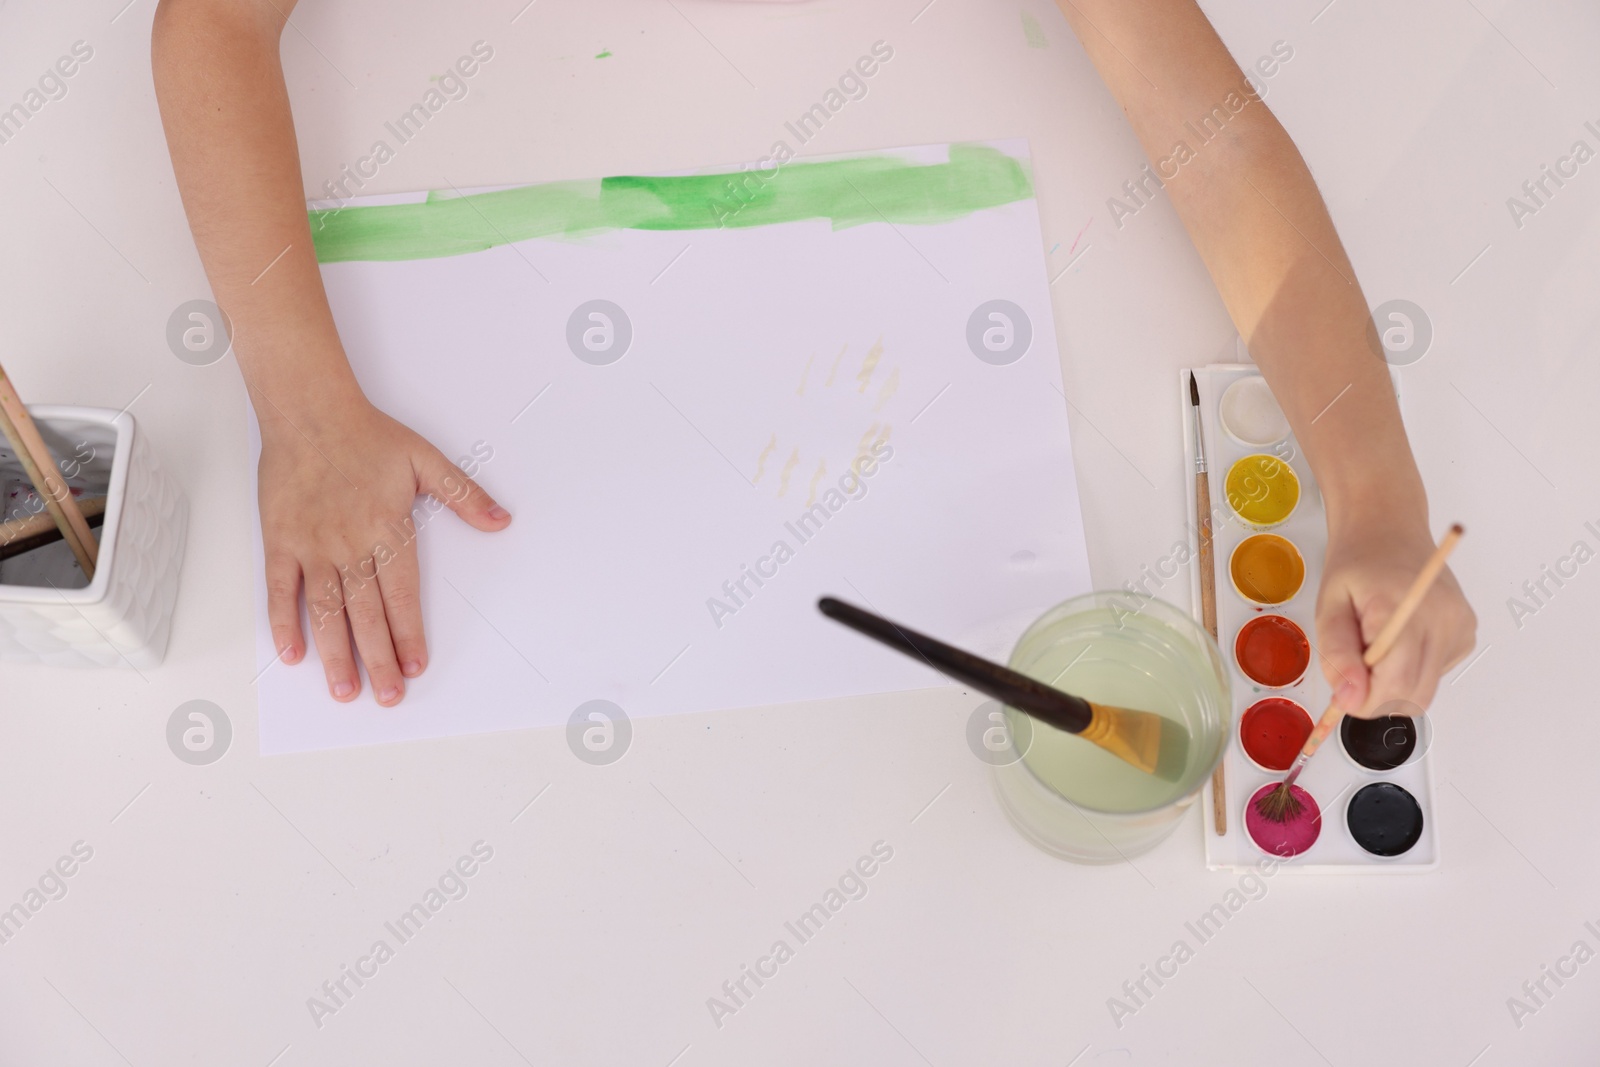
(1071, 797)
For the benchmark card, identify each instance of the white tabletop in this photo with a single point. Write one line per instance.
(218, 899)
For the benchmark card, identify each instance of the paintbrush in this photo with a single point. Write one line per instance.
(1208, 582)
(35, 531)
(1154, 744)
(1281, 805)
(18, 427)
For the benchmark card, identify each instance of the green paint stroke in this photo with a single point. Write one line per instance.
(846, 192)
(1033, 32)
(603, 55)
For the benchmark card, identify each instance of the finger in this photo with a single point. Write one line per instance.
(444, 481)
(1396, 679)
(329, 630)
(1462, 629)
(401, 584)
(363, 603)
(1340, 647)
(1431, 670)
(283, 608)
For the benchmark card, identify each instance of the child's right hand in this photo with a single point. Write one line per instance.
(336, 491)
(1372, 559)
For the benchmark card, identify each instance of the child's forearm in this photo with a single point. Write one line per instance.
(1253, 211)
(223, 103)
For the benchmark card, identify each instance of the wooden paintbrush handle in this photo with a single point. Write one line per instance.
(35, 531)
(38, 523)
(1208, 614)
(1320, 732)
(18, 428)
(25, 437)
(1208, 563)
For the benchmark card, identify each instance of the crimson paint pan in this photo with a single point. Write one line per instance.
(1384, 819)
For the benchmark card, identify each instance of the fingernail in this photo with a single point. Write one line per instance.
(344, 689)
(411, 669)
(497, 513)
(288, 654)
(389, 695)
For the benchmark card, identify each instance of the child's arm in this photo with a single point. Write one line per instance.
(1253, 211)
(338, 478)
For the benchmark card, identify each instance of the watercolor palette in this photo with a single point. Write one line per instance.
(1368, 792)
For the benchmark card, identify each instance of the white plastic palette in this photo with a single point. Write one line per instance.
(1332, 777)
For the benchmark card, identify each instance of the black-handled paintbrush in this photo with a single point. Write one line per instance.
(1154, 744)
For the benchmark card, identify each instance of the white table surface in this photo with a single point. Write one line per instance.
(219, 898)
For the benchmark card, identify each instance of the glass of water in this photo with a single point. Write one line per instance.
(1073, 798)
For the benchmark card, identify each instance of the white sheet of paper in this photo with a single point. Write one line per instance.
(760, 362)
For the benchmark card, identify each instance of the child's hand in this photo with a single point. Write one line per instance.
(1369, 566)
(336, 496)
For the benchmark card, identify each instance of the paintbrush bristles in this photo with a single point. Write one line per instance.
(1150, 742)
(1280, 805)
